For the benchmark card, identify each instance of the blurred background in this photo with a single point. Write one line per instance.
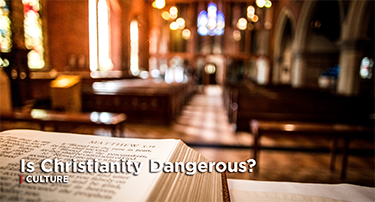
(199, 71)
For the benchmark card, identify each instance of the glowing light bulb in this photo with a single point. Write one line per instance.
(255, 18)
(268, 4)
(212, 8)
(173, 26)
(186, 34)
(236, 35)
(173, 10)
(203, 31)
(159, 4)
(242, 24)
(202, 19)
(251, 9)
(166, 16)
(250, 15)
(210, 69)
(181, 23)
(211, 24)
(260, 3)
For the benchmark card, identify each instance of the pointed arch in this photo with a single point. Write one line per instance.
(301, 33)
(311, 42)
(353, 42)
(284, 16)
(358, 15)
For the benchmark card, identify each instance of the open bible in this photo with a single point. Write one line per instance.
(46, 166)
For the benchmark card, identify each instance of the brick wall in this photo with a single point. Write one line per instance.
(67, 28)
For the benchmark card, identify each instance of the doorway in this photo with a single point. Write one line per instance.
(209, 74)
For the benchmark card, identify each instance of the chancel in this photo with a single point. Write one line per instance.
(230, 78)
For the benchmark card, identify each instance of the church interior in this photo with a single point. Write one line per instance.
(203, 71)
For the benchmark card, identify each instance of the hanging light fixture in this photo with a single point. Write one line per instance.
(186, 34)
(260, 3)
(159, 4)
(166, 16)
(211, 22)
(268, 4)
(263, 3)
(173, 26)
(242, 24)
(236, 35)
(181, 23)
(173, 11)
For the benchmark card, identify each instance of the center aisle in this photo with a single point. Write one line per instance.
(203, 121)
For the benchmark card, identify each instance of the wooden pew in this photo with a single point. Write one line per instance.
(335, 131)
(42, 117)
(141, 100)
(287, 104)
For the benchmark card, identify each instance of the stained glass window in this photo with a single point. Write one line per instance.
(33, 34)
(5, 31)
(366, 70)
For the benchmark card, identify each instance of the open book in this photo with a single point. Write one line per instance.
(46, 166)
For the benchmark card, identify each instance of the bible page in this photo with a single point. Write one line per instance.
(102, 185)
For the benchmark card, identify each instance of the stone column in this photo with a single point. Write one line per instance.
(351, 54)
(17, 17)
(298, 70)
(276, 67)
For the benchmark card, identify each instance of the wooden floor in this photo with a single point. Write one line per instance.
(204, 126)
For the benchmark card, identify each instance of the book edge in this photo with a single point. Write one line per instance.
(224, 182)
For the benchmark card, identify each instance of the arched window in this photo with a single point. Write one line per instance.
(33, 33)
(99, 25)
(134, 47)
